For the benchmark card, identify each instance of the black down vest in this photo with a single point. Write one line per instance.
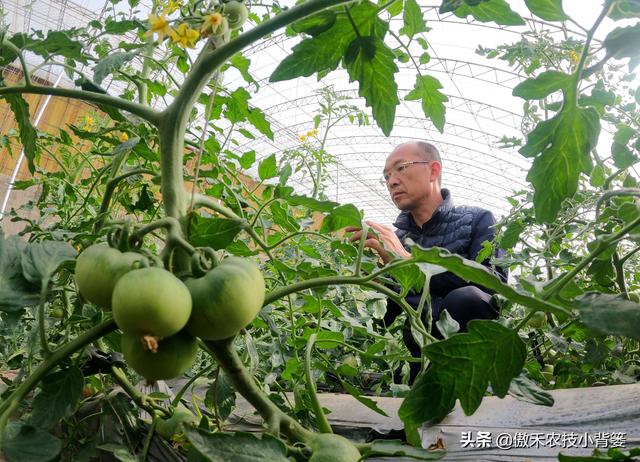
(461, 230)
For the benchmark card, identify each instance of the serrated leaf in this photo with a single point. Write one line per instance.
(247, 159)
(257, 118)
(236, 447)
(311, 203)
(241, 63)
(549, 10)
(22, 442)
(497, 11)
(462, 368)
(623, 42)
(370, 62)
(341, 217)
(524, 389)
(60, 394)
(215, 232)
(120, 27)
(316, 24)
(609, 314)
(450, 5)
(15, 291)
(41, 259)
(447, 325)
(543, 85)
(268, 168)
(221, 395)
(324, 52)
(26, 130)
(427, 90)
(555, 173)
(472, 271)
(413, 19)
(112, 62)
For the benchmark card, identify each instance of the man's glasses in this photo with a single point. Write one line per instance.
(399, 170)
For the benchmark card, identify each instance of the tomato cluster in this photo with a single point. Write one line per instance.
(159, 314)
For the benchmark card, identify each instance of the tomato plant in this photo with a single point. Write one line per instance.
(160, 219)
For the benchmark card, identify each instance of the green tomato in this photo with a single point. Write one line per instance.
(174, 425)
(538, 320)
(236, 13)
(99, 268)
(151, 301)
(226, 299)
(172, 358)
(328, 447)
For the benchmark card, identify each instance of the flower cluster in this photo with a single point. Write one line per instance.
(186, 34)
(309, 134)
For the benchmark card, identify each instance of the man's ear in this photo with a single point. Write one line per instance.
(436, 170)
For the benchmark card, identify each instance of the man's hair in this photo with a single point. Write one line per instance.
(428, 151)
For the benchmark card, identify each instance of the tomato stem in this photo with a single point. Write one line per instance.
(321, 418)
(223, 351)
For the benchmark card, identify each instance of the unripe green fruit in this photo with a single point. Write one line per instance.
(174, 425)
(538, 320)
(174, 355)
(151, 301)
(328, 447)
(98, 269)
(236, 13)
(226, 299)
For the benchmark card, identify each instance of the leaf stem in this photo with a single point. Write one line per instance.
(321, 418)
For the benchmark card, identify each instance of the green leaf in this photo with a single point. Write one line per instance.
(247, 159)
(221, 395)
(236, 447)
(22, 442)
(472, 271)
(60, 43)
(27, 131)
(120, 27)
(622, 155)
(623, 42)
(427, 90)
(311, 203)
(60, 394)
(369, 61)
(409, 277)
(391, 448)
(395, 8)
(555, 173)
(524, 389)
(597, 177)
(543, 85)
(341, 217)
(447, 325)
(213, 232)
(610, 315)
(111, 63)
(15, 291)
(462, 368)
(268, 168)
(281, 216)
(549, 10)
(316, 24)
(413, 19)
(450, 5)
(324, 52)
(241, 63)
(357, 394)
(41, 259)
(622, 9)
(257, 118)
(497, 11)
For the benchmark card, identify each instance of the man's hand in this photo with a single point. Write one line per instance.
(386, 243)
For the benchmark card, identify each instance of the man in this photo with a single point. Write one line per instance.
(412, 174)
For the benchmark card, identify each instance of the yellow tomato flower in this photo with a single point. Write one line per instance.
(123, 137)
(302, 138)
(185, 36)
(158, 25)
(211, 22)
(89, 123)
(574, 57)
(311, 133)
(171, 6)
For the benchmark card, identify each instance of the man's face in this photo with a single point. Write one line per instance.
(408, 184)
